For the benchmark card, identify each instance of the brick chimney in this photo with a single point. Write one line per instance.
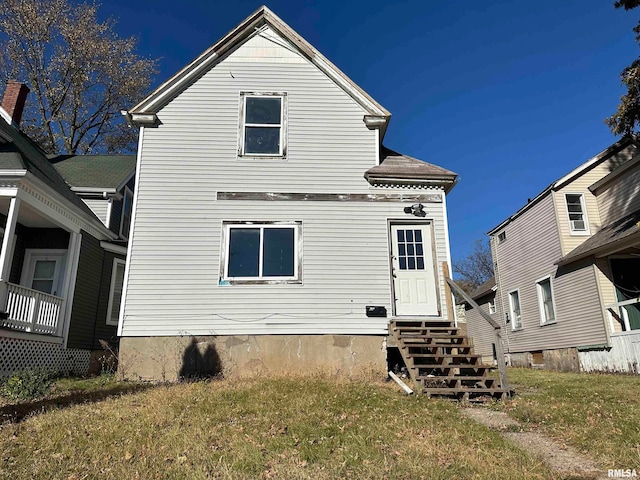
(14, 98)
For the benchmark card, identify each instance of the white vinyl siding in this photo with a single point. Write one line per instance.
(195, 148)
(98, 206)
(174, 280)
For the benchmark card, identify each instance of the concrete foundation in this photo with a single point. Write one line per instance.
(562, 360)
(173, 358)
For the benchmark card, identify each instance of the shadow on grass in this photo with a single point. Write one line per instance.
(17, 412)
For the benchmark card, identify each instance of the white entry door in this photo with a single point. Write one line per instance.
(43, 270)
(414, 279)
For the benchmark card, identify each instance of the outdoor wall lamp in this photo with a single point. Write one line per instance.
(416, 209)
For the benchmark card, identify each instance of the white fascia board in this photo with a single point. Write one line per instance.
(246, 29)
(110, 247)
(78, 217)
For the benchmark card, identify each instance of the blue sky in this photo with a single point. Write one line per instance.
(511, 95)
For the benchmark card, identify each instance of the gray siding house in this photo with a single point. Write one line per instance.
(271, 227)
(567, 269)
(61, 267)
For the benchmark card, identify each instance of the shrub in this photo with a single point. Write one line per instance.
(27, 384)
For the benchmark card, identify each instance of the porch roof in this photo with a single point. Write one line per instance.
(619, 235)
(95, 171)
(395, 167)
(18, 151)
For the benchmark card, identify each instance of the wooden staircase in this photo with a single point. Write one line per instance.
(442, 361)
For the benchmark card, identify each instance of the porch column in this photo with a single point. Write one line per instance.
(6, 255)
(68, 289)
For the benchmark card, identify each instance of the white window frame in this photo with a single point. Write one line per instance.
(492, 306)
(543, 319)
(114, 271)
(127, 193)
(585, 218)
(31, 255)
(262, 225)
(282, 153)
(515, 325)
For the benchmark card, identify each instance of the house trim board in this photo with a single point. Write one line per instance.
(110, 247)
(75, 242)
(331, 197)
(36, 337)
(134, 210)
(114, 272)
(245, 30)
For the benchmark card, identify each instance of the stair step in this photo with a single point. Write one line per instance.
(443, 355)
(454, 377)
(432, 391)
(430, 338)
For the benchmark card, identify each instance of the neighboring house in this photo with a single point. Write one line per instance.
(61, 267)
(568, 269)
(477, 327)
(271, 227)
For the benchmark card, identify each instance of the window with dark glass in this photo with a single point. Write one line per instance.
(262, 125)
(260, 252)
(410, 249)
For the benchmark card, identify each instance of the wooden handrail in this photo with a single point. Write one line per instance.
(502, 364)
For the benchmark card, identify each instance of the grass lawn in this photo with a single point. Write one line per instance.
(288, 428)
(597, 413)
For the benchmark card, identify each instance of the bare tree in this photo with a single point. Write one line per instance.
(476, 268)
(80, 72)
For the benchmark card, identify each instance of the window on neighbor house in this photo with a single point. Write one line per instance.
(265, 252)
(125, 219)
(502, 236)
(492, 306)
(514, 307)
(115, 291)
(545, 299)
(262, 125)
(577, 213)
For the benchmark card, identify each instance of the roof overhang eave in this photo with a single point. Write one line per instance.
(607, 249)
(447, 182)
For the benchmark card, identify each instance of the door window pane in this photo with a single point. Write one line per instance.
(43, 275)
(410, 250)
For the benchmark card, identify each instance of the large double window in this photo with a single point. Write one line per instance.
(262, 252)
(262, 125)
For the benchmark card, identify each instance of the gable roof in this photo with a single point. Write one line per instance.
(19, 152)
(398, 169)
(95, 172)
(623, 233)
(572, 175)
(144, 112)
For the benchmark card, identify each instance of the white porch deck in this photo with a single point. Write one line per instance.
(32, 311)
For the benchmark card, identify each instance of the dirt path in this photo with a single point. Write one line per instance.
(559, 457)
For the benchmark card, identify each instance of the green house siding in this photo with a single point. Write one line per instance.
(91, 297)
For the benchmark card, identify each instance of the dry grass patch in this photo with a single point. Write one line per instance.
(290, 428)
(597, 413)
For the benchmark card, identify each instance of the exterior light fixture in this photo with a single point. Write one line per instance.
(416, 209)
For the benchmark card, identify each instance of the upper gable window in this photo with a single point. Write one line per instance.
(262, 125)
(577, 214)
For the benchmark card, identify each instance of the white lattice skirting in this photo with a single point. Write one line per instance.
(18, 354)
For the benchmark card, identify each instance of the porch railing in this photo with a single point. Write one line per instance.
(32, 311)
(619, 312)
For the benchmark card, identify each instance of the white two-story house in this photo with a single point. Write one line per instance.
(271, 227)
